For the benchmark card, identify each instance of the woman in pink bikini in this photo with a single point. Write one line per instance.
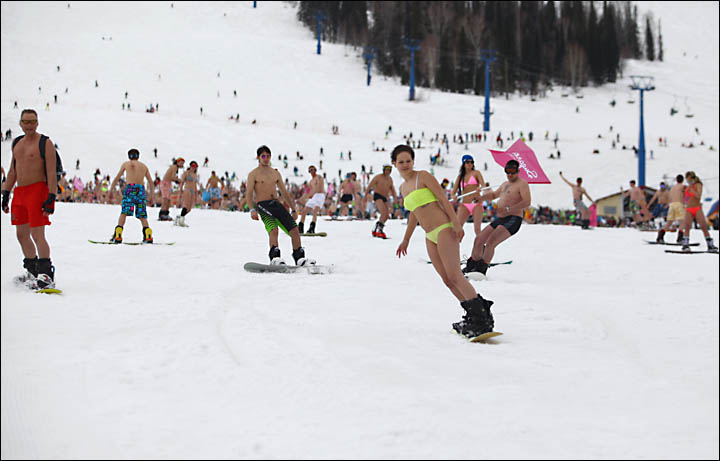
(694, 211)
(469, 180)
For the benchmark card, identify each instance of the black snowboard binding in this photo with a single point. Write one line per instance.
(477, 319)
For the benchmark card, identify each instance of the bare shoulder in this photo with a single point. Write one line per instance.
(402, 187)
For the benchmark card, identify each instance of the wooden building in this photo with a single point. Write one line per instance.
(613, 205)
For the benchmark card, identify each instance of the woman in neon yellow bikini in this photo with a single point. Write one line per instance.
(429, 206)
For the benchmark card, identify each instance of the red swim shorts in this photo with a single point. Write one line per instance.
(27, 205)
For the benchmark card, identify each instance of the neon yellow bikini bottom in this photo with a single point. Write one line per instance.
(433, 234)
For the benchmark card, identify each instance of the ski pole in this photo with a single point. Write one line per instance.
(470, 193)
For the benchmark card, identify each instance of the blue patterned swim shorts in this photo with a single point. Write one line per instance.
(134, 197)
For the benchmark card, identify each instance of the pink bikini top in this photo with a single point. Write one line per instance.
(470, 182)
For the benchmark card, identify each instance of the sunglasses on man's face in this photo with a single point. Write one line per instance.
(28, 122)
(264, 155)
(511, 170)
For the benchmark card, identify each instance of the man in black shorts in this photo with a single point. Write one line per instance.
(263, 185)
(346, 191)
(514, 197)
(382, 187)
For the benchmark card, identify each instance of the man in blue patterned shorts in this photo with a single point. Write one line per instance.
(134, 195)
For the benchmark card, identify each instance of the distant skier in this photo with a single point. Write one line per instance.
(661, 196)
(135, 195)
(638, 204)
(213, 188)
(265, 188)
(346, 195)
(580, 208)
(694, 212)
(188, 193)
(315, 202)
(171, 175)
(676, 211)
(382, 187)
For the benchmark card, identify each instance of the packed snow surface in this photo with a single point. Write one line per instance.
(610, 345)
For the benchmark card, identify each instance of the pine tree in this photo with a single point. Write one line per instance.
(649, 40)
(593, 46)
(537, 42)
(660, 43)
(610, 47)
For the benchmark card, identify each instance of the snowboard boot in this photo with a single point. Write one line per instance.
(477, 319)
(375, 231)
(117, 235)
(685, 244)
(469, 265)
(476, 270)
(680, 236)
(301, 227)
(147, 235)
(380, 231)
(165, 215)
(661, 236)
(300, 259)
(710, 245)
(30, 265)
(46, 274)
(274, 255)
(311, 228)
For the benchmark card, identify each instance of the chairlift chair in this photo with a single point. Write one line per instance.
(688, 112)
(673, 109)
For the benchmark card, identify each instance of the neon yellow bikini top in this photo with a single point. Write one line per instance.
(419, 197)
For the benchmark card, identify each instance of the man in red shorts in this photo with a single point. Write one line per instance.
(33, 201)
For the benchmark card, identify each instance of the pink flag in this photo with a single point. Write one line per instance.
(593, 215)
(77, 183)
(530, 169)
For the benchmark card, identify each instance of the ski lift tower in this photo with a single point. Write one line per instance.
(413, 46)
(489, 57)
(642, 83)
(321, 17)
